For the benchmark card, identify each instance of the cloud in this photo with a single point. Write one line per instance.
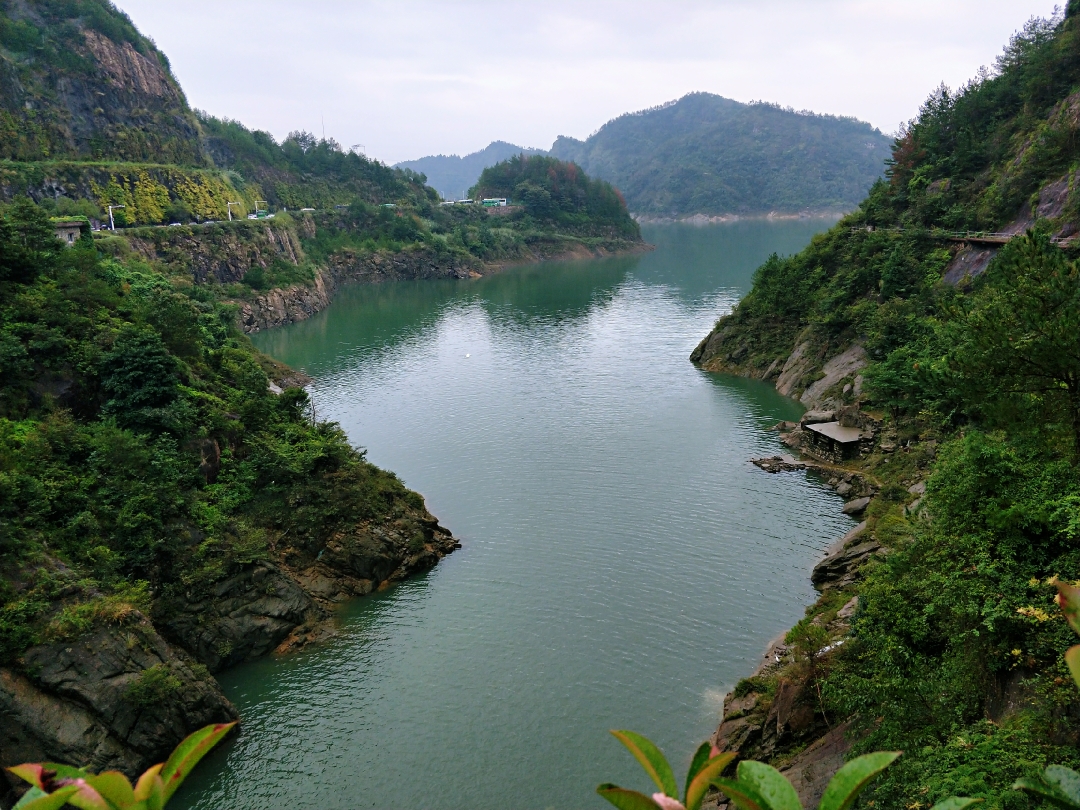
(416, 77)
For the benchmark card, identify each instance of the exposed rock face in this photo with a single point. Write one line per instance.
(841, 567)
(128, 69)
(114, 101)
(845, 365)
(811, 770)
(216, 253)
(242, 617)
(968, 264)
(299, 302)
(119, 697)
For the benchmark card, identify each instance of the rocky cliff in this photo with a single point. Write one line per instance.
(78, 81)
(123, 693)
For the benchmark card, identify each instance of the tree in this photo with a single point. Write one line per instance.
(28, 244)
(1021, 334)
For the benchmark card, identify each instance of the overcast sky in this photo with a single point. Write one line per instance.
(413, 78)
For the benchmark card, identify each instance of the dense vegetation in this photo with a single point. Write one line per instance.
(956, 655)
(555, 192)
(452, 175)
(307, 172)
(707, 154)
(140, 449)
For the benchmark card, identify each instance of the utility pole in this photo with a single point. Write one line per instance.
(112, 225)
(229, 206)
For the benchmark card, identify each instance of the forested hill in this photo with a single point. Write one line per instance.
(957, 358)
(90, 114)
(452, 175)
(711, 155)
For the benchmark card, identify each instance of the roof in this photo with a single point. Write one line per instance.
(68, 222)
(836, 432)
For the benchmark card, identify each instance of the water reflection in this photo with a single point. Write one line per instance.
(623, 562)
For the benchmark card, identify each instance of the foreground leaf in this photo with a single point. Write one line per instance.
(38, 799)
(701, 756)
(113, 787)
(702, 781)
(772, 785)
(1044, 790)
(1072, 659)
(1064, 779)
(626, 799)
(955, 803)
(652, 760)
(744, 796)
(849, 781)
(150, 789)
(1068, 600)
(188, 753)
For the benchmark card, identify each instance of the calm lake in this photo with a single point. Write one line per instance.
(623, 563)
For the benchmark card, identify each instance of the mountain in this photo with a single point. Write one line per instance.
(78, 81)
(711, 155)
(452, 176)
(933, 334)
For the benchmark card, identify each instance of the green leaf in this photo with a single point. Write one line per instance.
(38, 799)
(849, 781)
(150, 789)
(772, 785)
(1046, 791)
(651, 759)
(188, 753)
(114, 788)
(626, 799)
(33, 793)
(1069, 601)
(742, 794)
(955, 803)
(1064, 779)
(1072, 658)
(701, 756)
(87, 798)
(29, 772)
(699, 786)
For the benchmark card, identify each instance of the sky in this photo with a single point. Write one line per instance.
(410, 78)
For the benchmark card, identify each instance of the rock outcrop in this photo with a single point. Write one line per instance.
(119, 697)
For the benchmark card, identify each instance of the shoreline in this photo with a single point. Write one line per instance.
(727, 219)
(282, 306)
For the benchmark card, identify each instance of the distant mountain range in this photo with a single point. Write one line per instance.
(705, 154)
(452, 175)
(711, 155)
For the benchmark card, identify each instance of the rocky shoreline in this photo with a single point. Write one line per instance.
(123, 694)
(776, 714)
(298, 302)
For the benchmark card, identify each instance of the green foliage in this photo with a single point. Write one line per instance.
(139, 443)
(756, 786)
(153, 686)
(666, 161)
(552, 190)
(955, 625)
(53, 786)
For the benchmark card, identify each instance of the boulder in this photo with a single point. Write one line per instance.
(857, 506)
(817, 417)
(841, 568)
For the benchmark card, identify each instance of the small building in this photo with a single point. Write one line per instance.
(70, 229)
(833, 442)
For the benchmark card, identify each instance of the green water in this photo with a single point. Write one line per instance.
(623, 563)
